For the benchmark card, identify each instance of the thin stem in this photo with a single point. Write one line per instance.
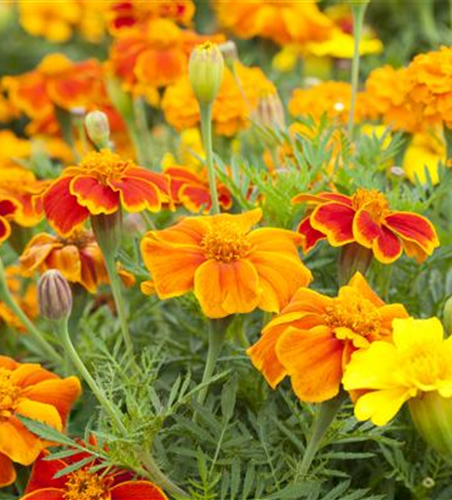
(135, 136)
(358, 10)
(38, 336)
(206, 128)
(142, 129)
(326, 413)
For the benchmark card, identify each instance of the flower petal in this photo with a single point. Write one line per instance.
(5, 229)
(45, 494)
(137, 490)
(137, 194)
(43, 474)
(335, 221)
(381, 406)
(411, 332)
(365, 229)
(387, 247)
(7, 471)
(96, 197)
(18, 443)
(310, 235)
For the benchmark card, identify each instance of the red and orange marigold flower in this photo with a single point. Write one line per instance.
(31, 391)
(8, 209)
(102, 183)
(230, 268)
(365, 218)
(313, 338)
(47, 483)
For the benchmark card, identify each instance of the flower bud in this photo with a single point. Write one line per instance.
(270, 111)
(54, 296)
(98, 128)
(229, 51)
(206, 72)
(432, 417)
(447, 317)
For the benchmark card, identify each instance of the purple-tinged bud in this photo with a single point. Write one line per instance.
(54, 296)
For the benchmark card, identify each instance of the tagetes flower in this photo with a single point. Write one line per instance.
(8, 209)
(77, 256)
(31, 391)
(111, 484)
(313, 338)
(230, 111)
(230, 268)
(102, 183)
(190, 187)
(365, 218)
(417, 362)
(284, 21)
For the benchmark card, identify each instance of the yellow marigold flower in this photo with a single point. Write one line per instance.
(418, 362)
(230, 267)
(230, 111)
(283, 21)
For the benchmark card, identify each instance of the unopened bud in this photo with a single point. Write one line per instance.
(205, 69)
(229, 52)
(270, 111)
(98, 128)
(54, 296)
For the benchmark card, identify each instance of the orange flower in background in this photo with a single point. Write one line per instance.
(365, 218)
(30, 391)
(8, 210)
(77, 257)
(313, 338)
(102, 183)
(48, 483)
(230, 112)
(190, 187)
(25, 296)
(230, 268)
(282, 21)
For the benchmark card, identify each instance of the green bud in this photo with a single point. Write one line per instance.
(98, 128)
(206, 72)
(54, 296)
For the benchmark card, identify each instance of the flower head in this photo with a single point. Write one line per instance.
(366, 218)
(418, 361)
(314, 336)
(230, 268)
(31, 391)
(102, 183)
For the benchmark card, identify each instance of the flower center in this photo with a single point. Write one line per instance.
(354, 318)
(78, 237)
(104, 165)
(374, 201)
(9, 394)
(226, 242)
(83, 485)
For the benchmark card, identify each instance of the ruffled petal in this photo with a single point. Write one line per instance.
(137, 194)
(37, 251)
(365, 229)
(359, 283)
(29, 374)
(137, 490)
(335, 221)
(45, 494)
(96, 197)
(387, 247)
(310, 235)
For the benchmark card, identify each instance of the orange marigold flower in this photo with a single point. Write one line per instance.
(283, 21)
(48, 483)
(313, 338)
(77, 257)
(31, 391)
(230, 111)
(101, 184)
(365, 218)
(230, 268)
(190, 187)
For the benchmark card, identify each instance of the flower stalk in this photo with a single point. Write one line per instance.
(206, 128)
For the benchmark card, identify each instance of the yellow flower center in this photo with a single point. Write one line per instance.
(354, 318)
(78, 237)
(104, 165)
(375, 203)
(9, 394)
(226, 242)
(84, 485)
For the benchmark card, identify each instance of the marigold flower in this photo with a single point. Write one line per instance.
(230, 111)
(284, 21)
(114, 484)
(365, 218)
(77, 256)
(230, 268)
(8, 209)
(417, 362)
(30, 391)
(102, 183)
(314, 337)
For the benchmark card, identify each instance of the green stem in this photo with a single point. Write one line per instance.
(38, 336)
(358, 11)
(135, 136)
(206, 128)
(427, 20)
(326, 413)
(142, 129)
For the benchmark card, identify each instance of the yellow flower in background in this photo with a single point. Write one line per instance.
(418, 362)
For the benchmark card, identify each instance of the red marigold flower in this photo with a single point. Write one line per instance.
(111, 484)
(365, 218)
(101, 184)
(8, 208)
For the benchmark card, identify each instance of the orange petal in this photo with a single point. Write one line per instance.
(7, 471)
(29, 374)
(227, 288)
(335, 221)
(45, 494)
(161, 181)
(359, 283)
(37, 251)
(137, 490)
(18, 443)
(365, 229)
(67, 261)
(313, 359)
(8, 363)
(41, 412)
(190, 231)
(244, 221)
(96, 197)
(310, 235)
(137, 195)
(387, 247)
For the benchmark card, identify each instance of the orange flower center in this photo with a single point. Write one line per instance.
(104, 165)
(226, 242)
(84, 485)
(78, 237)
(9, 394)
(354, 318)
(374, 201)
